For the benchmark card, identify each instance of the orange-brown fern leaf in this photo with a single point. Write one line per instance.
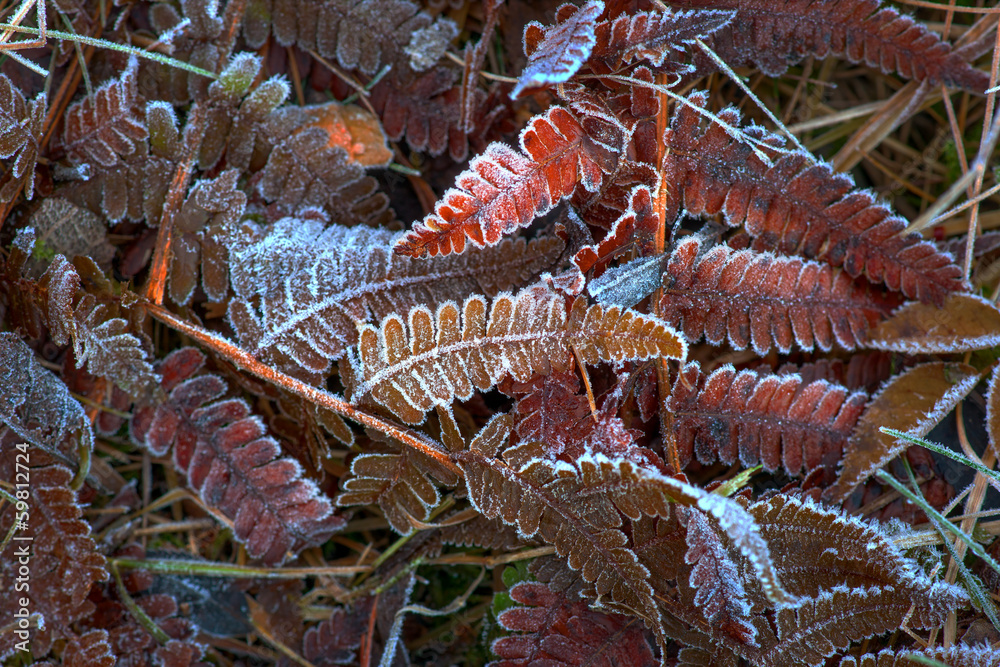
(232, 463)
(504, 189)
(447, 355)
(775, 34)
(64, 560)
(21, 124)
(89, 650)
(103, 126)
(775, 420)
(303, 287)
(398, 480)
(426, 111)
(553, 629)
(796, 206)
(760, 300)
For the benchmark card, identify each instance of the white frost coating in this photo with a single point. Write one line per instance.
(627, 284)
(427, 45)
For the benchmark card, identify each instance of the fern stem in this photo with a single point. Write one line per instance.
(105, 44)
(315, 395)
(137, 612)
(227, 570)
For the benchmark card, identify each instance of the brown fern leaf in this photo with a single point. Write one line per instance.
(554, 630)
(758, 299)
(103, 126)
(775, 35)
(555, 53)
(484, 533)
(21, 125)
(719, 590)
(207, 216)
(503, 189)
(196, 38)
(398, 480)
(232, 463)
(302, 287)
(654, 36)
(779, 421)
(955, 656)
(360, 34)
(64, 561)
(822, 548)
(829, 622)
(636, 224)
(796, 206)
(542, 499)
(534, 332)
(303, 171)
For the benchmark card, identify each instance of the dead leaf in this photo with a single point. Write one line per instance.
(965, 322)
(913, 403)
(353, 129)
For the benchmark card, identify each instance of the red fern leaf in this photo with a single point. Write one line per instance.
(557, 52)
(756, 299)
(504, 189)
(795, 206)
(233, 464)
(774, 35)
(774, 420)
(557, 631)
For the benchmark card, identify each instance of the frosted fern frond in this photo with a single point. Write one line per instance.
(21, 124)
(447, 354)
(302, 287)
(104, 126)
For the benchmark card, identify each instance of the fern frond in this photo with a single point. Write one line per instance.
(654, 36)
(360, 34)
(774, 35)
(504, 189)
(716, 579)
(21, 125)
(776, 420)
(757, 299)
(36, 405)
(796, 206)
(829, 622)
(103, 126)
(65, 562)
(542, 498)
(823, 548)
(555, 53)
(441, 358)
(302, 287)
(956, 656)
(554, 630)
(398, 480)
(232, 462)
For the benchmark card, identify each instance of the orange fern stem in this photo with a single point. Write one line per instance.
(175, 196)
(317, 396)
